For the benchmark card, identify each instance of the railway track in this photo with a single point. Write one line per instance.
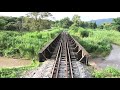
(66, 54)
(65, 65)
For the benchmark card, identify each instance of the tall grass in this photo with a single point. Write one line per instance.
(96, 41)
(24, 44)
(108, 72)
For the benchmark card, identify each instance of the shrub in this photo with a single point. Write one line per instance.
(108, 72)
(73, 27)
(96, 41)
(85, 33)
(25, 45)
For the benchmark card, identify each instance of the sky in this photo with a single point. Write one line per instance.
(85, 16)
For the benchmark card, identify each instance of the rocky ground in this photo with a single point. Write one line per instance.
(44, 71)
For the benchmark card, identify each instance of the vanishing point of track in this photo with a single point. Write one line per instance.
(66, 52)
(63, 66)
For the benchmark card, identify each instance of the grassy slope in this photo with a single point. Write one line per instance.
(24, 45)
(98, 41)
(108, 72)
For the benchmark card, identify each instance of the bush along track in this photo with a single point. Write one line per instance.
(96, 41)
(24, 44)
(108, 72)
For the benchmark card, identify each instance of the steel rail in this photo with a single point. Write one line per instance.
(57, 59)
(69, 59)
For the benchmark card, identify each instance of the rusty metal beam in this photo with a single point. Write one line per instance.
(84, 60)
(45, 52)
(79, 54)
(42, 58)
(74, 45)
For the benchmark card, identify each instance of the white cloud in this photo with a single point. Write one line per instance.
(14, 14)
(85, 16)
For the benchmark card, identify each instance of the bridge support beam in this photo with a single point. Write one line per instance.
(79, 55)
(84, 60)
(75, 49)
(42, 57)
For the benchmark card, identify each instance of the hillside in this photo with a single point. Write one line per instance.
(101, 21)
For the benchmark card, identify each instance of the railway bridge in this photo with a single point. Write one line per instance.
(66, 51)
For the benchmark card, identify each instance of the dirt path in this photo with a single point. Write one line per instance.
(113, 59)
(10, 62)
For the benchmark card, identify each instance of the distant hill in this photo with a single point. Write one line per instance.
(101, 21)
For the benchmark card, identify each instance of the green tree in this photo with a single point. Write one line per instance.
(93, 25)
(56, 24)
(2, 23)
(37, 19)
(10, 26)
(116, 23)
(76, 20)
(82, 24)
(101, 26)
(26, 23)
(65, 22)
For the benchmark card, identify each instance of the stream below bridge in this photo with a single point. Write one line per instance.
(113, 59)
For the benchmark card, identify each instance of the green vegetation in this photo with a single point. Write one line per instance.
(24, 36)
(64, 23)
(25, 44)
(96, 41)
(115, 25)
(16, 72)
(75, 22)
(33, 21)
(84, 34)
(108, 72)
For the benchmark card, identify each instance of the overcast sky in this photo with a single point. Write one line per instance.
(85, 16)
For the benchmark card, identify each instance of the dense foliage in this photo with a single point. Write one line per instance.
(115, 25)
(24, 44)
(108, 72)
(24, 36)
(33, 21)
(96, 41)
(75, 22)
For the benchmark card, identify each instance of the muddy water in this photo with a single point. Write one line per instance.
(10, 62)
(113, 59)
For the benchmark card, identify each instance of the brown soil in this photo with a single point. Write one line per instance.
(10, 62)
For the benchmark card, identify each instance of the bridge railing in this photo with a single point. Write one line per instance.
(46, 51)
(81, 54)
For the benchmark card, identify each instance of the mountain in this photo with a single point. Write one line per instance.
(101, 21)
